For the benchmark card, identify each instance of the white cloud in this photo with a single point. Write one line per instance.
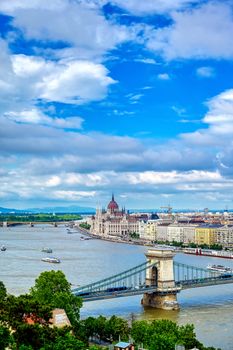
(72, 195)
(35, 116)
(205, 72)
(146, 60)
(74, 23)
(69, 82)
(150, 7)
(76, 82)
(151, 177)
(163, 76)
(53, 181)
(201, 32)
(26, 79)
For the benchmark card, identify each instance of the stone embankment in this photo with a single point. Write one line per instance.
(114, 239)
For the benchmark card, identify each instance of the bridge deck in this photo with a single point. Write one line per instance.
(181, 285)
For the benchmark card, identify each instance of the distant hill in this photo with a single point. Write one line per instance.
(13, 211)
(69, 209)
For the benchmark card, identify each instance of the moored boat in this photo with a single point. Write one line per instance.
(51, 259)
(220, 268)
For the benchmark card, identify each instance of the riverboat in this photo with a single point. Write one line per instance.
(207, 252)
(220, 268)
(3, 248)
(51, 260)
(46, 250)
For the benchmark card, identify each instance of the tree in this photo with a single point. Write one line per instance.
(140, 332)
(89, 327)
(5, 338)
(164, 335)
(16, 310)
(65, 342)
(49, 284)
(52, 289)
(100, 327)
(3, 292)
(117, 327)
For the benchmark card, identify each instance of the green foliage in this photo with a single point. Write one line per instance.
(164, 335)
(192, 245)
(5, 338)
(140, 332)
(15, 310)
(3, 294)
(39, 217)
(117, 327)
(85, 225)
(52, 289)
(65, 342)
(134, 235)
(106, 329)
(48, 285)
(25, 347)
(3, 291)
(177, 244)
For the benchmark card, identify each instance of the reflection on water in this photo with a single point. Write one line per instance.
(210, 309)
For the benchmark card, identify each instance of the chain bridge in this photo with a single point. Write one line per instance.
(159, 279)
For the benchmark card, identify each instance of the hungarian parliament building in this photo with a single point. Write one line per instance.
(115, 221)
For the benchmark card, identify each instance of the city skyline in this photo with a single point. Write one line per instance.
(105, 96)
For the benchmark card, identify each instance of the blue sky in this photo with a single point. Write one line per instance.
(131, 97)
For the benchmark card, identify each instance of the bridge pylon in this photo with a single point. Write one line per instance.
(161, 275)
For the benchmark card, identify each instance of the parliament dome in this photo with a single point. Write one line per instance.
(112, 205)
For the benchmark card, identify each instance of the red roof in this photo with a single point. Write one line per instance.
(113, 204)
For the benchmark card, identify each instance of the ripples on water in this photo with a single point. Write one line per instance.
(209, 309)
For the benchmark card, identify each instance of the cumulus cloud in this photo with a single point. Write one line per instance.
(219, 119)
(29, 79)
(43, 20)
(200, 32)
(74, 82)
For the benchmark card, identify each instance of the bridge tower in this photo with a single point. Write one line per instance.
(162, 277)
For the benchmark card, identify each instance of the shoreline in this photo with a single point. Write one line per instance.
(148, 244)
(112, 239)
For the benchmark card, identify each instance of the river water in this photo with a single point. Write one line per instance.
(210, 309)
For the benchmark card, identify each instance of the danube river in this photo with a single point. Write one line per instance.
(84, 261)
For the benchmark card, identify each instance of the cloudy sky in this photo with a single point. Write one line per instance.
(131, 97)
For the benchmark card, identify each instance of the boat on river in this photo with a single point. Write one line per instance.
(3, 248)
(220, 268)
(208, 252)
(51, 259)
(47, 250)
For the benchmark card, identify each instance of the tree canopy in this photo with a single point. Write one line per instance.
(52, 289)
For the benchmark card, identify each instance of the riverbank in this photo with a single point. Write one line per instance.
(192, 251)
(114, 239)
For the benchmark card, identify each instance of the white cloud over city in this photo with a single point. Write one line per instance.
(62, 61)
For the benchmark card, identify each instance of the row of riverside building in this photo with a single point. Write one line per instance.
(115, 222)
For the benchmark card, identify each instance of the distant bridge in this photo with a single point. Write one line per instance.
(32, 223)
(159, 279)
